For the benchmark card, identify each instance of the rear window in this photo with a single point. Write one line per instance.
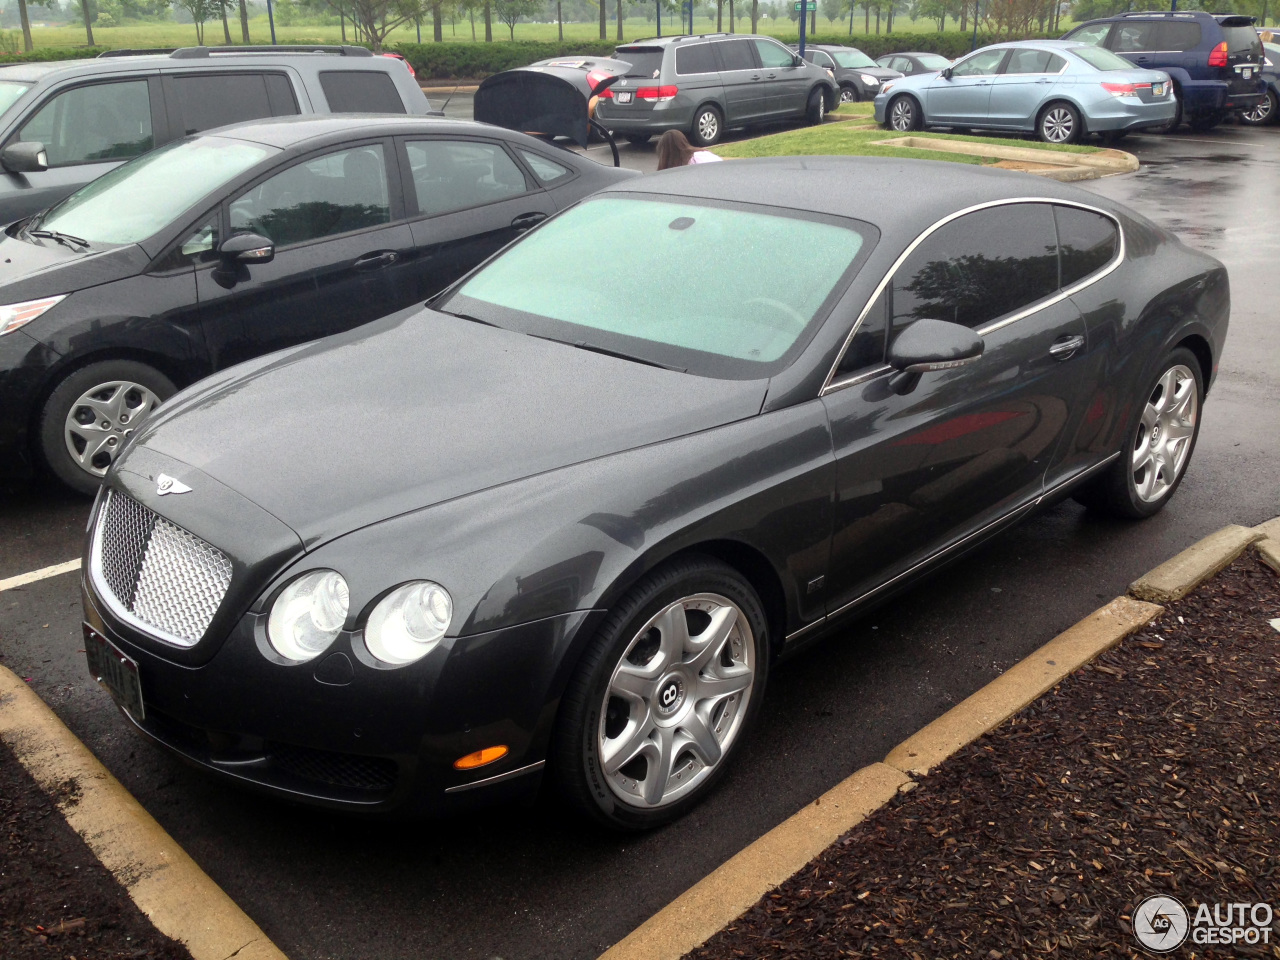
(209, 100)
(695, 58)
(1101, 59)
(360, 91)
(1242, 41)
(749, 316)
(645, 61)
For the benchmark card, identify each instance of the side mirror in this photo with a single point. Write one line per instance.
(945, 73)
(798, 61)
(27, 156)
(929, 345)
(247, 248)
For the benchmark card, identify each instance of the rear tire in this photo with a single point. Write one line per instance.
(708, 126)
(1158, 445)
(638, 138)
(1059, 123)
(1263, 113)
(816, 108)
(903, 114)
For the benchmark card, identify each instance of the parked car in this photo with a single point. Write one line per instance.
(66, 123)
(1214, 60)
(1057, 89)
(857, 74)
(223, 246)
(910, 64)
(1266, 109)
(704, 85)
(564, 522)
(403, 59)
(585, 72)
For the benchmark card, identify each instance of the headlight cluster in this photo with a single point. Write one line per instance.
(405, 626)
(869, 80)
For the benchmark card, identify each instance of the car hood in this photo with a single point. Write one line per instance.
(418, 408)
(45, 268)
(881, 73)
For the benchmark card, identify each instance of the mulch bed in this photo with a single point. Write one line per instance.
(1154, 770)
(56, 900)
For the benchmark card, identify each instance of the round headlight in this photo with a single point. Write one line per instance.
(308, 615)
(409, 622)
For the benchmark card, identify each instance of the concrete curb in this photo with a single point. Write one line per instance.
(1269, 553)
(1107, 160)
(1175, 578)
(166, 884)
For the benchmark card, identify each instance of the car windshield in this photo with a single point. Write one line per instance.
(1101, 59)
(931, 61)
(711, 288)
(145, 195)
(10, 91)
(851, 58)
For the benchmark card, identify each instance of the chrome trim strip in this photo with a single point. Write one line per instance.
(830, 385)
(1076, 478)
(510, 774)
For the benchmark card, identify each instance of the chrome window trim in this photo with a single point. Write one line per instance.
(830, 385)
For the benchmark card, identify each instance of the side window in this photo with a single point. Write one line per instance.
(1180, 37)
(736, 55)
(1138, 35)
(333, 194)
(104, 121)
(198, 246)
(774, 54)
(548, 171)
(866, 349)
(695, 58)
(901, 64)
(1028, 61)
(1086, 242)
(984, 63)
(360, 91)
(1056, 64)
(456, 174)
(1095, 33)
(208, 100)
(979, 268)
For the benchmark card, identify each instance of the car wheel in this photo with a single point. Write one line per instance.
(708, 126)
(1264, 112)
(1201, 122)
(904, 114)
(91, 413)
(638, 138)
(1059, 123)
(1176, 122)
(1154, 460)
(848, 93)
(663, 696)
(816, 108)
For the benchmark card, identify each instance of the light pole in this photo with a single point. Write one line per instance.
(272, 21)
(974, 44)
(804, 17)
(657, 6)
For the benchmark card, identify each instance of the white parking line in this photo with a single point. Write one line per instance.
(1233, 143)
(22, 579)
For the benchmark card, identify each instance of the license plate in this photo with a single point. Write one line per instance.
(115, 671)
(1157, 89)
(622, 97)
(1247, 72)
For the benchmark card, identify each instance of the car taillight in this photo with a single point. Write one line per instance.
(660, 94)
(1218, 56)
(597, 77)
(1125, 89)
(606, 93)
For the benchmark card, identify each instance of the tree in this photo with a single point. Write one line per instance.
(244, 21)
(26, 25)
(88, 28)
(375, 19)
(510, 11)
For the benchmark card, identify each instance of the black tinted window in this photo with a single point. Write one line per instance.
(1086, 242)
(696, 58)
(866, 349)
(1028, 61)
(1243, 41)
(645, 61)
(102, 121)
(360, 91)
(736, 55)
(455, 174)
(979, 268)
(213, 100)
(1134, 35)
(1178, 36)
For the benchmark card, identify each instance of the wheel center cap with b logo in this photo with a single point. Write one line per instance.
(670, 695)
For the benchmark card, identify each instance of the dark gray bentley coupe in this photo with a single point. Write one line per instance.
(562, 522)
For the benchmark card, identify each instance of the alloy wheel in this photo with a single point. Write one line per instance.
(708, 126)
(902, 115)
(848, 95)
(1261, 113)
(1058, 125)
(101, 419)
(676, 701)
(1164, 435)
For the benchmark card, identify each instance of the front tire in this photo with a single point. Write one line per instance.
(1059, 123)
(1263, 113)
(708, 126)
(636, 139)
(1158, 446)
(903, 114)
(663, 696)
(816, 108)
(848, 93)
(91, 413)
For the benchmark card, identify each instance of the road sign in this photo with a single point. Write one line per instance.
(801, 4)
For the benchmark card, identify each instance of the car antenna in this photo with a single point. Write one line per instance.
(448, 98)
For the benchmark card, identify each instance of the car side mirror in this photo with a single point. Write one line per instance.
(247, 248)
(929, 345)
(798, 61)
(24, 156)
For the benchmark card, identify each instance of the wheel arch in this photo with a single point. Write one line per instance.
(923, 122)
(759, 572)
(1073, 104)
(1199, 346)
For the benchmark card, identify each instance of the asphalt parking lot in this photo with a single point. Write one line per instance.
(532, 882)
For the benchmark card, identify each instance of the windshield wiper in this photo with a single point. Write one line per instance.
(467, 316)
(624, 356)
(65, 239)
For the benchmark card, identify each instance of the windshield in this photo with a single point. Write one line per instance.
(1101, 59)
(932, 61)
(645, 61)
(709, 288)
(11, 90)
(851, 58)
(145, 195)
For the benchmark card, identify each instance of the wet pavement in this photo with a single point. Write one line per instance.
(532, 882)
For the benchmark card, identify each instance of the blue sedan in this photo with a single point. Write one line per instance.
(1058, 89)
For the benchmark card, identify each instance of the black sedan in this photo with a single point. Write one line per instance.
(562, 523)
(230, 244)
(914, 63)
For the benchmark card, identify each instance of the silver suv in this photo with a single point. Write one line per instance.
(706, 84)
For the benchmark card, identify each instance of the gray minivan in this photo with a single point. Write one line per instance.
(66, 123)
(706, 84)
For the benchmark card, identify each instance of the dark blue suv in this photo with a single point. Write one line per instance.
(1214, 60)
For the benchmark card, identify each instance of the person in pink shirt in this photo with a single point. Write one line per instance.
(675, 150)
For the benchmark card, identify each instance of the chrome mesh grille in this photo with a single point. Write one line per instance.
(162, 576)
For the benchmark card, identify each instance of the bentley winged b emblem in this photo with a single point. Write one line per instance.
(167, 484)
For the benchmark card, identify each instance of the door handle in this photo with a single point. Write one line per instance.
(771, 76)
(1066, 348)
(373, 261)
(527, 220)
(755, 76)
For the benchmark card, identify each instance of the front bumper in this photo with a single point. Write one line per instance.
(24, 369)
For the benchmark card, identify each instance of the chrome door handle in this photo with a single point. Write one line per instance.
(1065, 349)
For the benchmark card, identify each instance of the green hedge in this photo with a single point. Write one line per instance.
(950, 44)
(45, 54)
